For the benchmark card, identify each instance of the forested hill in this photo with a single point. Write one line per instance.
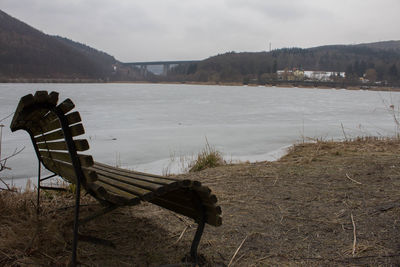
(382, 58)
(387, 45)
(28, 53)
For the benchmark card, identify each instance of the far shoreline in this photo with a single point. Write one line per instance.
(280, 84)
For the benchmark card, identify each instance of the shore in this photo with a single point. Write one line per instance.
(324, 203)
(280, 84)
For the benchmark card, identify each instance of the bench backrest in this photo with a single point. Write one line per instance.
(52, 128)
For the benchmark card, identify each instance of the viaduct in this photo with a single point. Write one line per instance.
(166, 65)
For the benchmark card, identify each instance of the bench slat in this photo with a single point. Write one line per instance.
(67, 171)
(138, 183)
(47, 126)
(212, 218)
(80, 144)
(44, 97)
(23, 114)
(187, 197)
(76, 130)
(24, 102)
(185, 194)
(85, 160)
(139, 175)
(142, 193)
(136, 172)
(37, 114)
(66, 106)
(125, 198)
(26, 117)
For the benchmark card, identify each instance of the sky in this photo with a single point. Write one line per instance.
(155, 30)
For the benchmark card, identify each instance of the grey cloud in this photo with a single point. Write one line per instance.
(192, 29)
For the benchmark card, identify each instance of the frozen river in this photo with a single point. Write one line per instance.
(144, 126)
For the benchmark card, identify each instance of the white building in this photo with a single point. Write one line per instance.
(322, 75)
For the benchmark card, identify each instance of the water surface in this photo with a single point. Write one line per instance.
(143, 126)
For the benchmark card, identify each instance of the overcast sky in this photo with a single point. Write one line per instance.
(151, 30)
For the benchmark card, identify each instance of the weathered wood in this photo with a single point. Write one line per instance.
(49, 117)
(75, 130)
(23, 103)
(109, 167)
(44, 97)
(66, 106)
(148, 185)
(80, 144)
(41, 97)
(142, 193)
(67, 171)
(53, 98)
(211, 208)
(45, 126)
(124, 198)
(204, 192)
(85, 160)
(28, 116)
(186, 194)
(139, 175)
(212, 218)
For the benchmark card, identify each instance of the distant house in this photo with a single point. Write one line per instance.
(290, 75)
(297, 74)
(322, 75)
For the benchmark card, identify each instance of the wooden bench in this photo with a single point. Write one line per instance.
(53, 129)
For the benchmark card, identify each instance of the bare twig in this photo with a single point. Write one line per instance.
(237, 250)
(181, 235)
(6, 117)
(48, 256)
(238, 259)
(2, 252)
(8, 187)
(3, 162)
(354, 181)
(354, 235)
(16, 152)
(277, 177)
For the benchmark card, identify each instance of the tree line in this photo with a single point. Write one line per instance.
(261, 67)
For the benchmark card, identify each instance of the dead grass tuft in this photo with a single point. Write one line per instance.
(209, 157)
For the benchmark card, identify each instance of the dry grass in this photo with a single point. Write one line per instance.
(300, 211)
(209, 157)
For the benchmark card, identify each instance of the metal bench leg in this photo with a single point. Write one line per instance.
(200, 229)
(76, 222)
(196, 240)
(38, 191)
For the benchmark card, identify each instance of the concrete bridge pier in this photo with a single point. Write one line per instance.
(143, 70)
(165, 69)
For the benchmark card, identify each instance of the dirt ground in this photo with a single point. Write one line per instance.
(324, 204)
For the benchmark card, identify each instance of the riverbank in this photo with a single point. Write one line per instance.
(280, 84)
(324, 203)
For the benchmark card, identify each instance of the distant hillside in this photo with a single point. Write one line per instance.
(387, 45)
(382, 59)
(99, 57)
(28, 53)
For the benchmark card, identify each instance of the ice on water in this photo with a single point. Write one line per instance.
(145, 126)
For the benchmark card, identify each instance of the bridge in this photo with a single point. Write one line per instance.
(166, 65)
